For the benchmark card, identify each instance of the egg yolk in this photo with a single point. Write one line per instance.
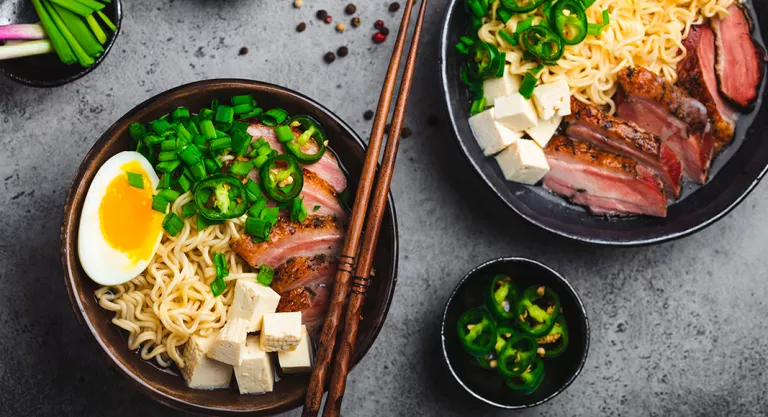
(128, 222)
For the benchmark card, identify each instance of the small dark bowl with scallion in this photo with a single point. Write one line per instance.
(49, 43)
(515, 333)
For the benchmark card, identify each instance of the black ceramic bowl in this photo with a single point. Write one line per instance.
(47, 70)
(734, 174)
(489, 386)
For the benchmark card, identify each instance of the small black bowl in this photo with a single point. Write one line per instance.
(489, 386)
(47, 70)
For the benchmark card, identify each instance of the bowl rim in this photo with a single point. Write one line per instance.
(69, 267)
(476, 272)
(444, 48)
(83, 71)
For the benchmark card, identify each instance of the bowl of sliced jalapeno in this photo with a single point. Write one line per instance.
(515, 333)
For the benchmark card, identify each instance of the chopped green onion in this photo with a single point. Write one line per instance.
(466, 40)
(477, 106)
(168, 145)
(252, 191)
(169, 195)
(525, 24)
(260, 160)
(266, 273)
(160, 126)
(504, 15)
(528, 84)
(274, 117)
(190, 155)
(159, 204)
(221, 144)
(258, 228)
(284, 133)
(211, 165)
(537, 70)
(152, 139)
(257, 207)
(188, 210)
(167, 156)
(606, 18)
(165, 182)
(241, 139)
(218, 285)
(253, 113)
(316, 208)
(507, 37)
(220, 263)
(168, 166)
(463, 49)
(206, 114)
(214, 104)
(298, 210)
(243, 99)
(270, 214)
(198, 171)
(172, 224)
(181, 115)
(588, 3)
(225, 115)
(241, 168)
(135, 180)
(594, 29)
(242, 109)
(137, 131)
(184, 183)
(207, 129)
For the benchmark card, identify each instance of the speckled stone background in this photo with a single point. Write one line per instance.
(679, 329)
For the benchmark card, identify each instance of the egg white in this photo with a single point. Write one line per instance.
(104, 264)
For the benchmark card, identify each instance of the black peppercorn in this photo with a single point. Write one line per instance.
(384, 31)
(368, 115)
(356, 21)
(406, 132)
(342, 51)
(395, 6)
(322, 14)
(330, 57)
(301, 27)
(243, 51)
(350, 9)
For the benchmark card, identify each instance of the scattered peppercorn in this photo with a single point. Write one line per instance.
(405, 132)
(395, 6)
(341, 27)
(432, 120)
(330, 57)
(378, 24)
(243, 51)
(328, 20)
(321, 14)
(356, 21)
(384, 31)
(379, 37)
(368, 115)
(298, 3)
(342, 51)
(350, 9)
(300, 28)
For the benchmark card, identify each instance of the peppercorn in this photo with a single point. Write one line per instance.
(341, 28)
(328, 20)
(342, 51)
(395, 6)
(356, 21)
(405, 132)
(298, 3)
(329, 57)
(322, 14)
(384, 31)
(300, 28)
(243, 51)
(379, 37)
(350, 9)
(378, 24)
(368, 115)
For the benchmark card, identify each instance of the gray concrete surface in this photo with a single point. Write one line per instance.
(679, 329)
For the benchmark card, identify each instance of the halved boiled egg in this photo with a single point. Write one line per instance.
(119, 232)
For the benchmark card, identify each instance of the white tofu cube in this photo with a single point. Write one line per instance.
(256, 375)
(491, 135)
(553, 99)
(524, 161)
(252, 301)
(515, 112)
(281, 331)
(298, 360)
(230, 343)
(494, 88)
(544, 131)
(200, 371)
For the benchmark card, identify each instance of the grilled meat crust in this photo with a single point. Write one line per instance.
(590, 155)
(627, 131)
(295, 270)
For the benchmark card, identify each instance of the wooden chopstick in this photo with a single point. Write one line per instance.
(347, 261)
(361, 279)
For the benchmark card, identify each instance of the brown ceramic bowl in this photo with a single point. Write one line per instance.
(162, 385)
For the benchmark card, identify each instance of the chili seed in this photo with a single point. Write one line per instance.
(379, 37)
(298, 3)
(341, 27)
(328, 20)
(405, 132)
(368, 115)
(342, 51)
(329, 57)
(378, 24)
(243, 51)
(356, 21)
(395, 6)
(322, 14)
(301, 27)
(384, 31)
(350, 9)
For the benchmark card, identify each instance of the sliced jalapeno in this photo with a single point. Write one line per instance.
(477, 332)
(528, 381)
(489, 361)
(517, 354)
(501, 297)
(521, 6)
(556, 341)
(485, 61)
(537, 310)
(543, 44)
(281, 178)
(221, 197)
(570, 20)
(312, 139)
(504, 333)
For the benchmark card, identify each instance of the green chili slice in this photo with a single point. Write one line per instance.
(485, 61)
(542, 43)
(537, 310)
(489, 361)
(505, 332)
(477, 332)
(312, 139)
(570, 20)
(556, 341)
(530, 380)
(501, 297)
(521, 6)
(517, 354)
(221, 197)
(282, 189)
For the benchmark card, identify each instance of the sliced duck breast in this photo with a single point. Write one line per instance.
(740, 61)
(589, 124)
(606, 183)
(304, 271)
(680, 121)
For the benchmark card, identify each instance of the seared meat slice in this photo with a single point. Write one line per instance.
(317, 192)
(696, 73)
(669, 113)
(608, 184)
(317, 235)
(304, 271)
(311, 301)
(740, 60)
(326, 168)
(588, 124)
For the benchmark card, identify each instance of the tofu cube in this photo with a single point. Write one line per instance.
(515, 112)
(256, 375)
(544, 131)
(524, 161)
(298, 360)
(492, 136)
(200, 371)
(281, 331)
(253, 300)
(494, 88)
(553, 99)
(230, 343)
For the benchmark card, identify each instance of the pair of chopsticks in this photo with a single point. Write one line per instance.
(347, 261)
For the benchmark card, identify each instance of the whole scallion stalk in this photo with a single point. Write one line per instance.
(22, 49)
(74, 7)
(82, 57)
(100, 35)
(106, 20)
(80, 31)
(64, 51)
(22, 32)
(91, 4)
